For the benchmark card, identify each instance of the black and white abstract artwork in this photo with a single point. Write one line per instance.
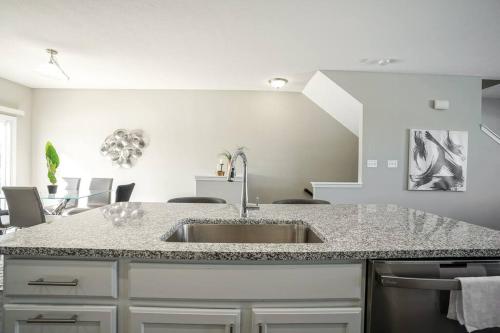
(438, 160)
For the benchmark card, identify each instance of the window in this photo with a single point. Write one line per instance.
(7, 151)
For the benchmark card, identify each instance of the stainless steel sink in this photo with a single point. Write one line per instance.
(244, 233)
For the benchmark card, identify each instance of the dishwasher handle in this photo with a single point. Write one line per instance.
(419, 283)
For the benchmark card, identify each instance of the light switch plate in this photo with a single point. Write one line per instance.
(371, 163)
(392, 163)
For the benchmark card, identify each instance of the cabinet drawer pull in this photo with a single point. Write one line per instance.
(42, 282)
(259, 325)
(231, 328)
(41, 320)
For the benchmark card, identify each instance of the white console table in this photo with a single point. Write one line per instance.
(216, 186)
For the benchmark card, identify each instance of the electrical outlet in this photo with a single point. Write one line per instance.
(371, 163)
(392, 163)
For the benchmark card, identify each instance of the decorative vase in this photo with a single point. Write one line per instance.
(52, 189)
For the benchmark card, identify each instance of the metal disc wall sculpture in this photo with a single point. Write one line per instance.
(124, 147)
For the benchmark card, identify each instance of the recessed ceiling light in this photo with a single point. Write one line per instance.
(52, 68)
(278, 82)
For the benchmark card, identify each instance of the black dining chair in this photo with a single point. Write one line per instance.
(301, 202)
(197, 200)
(124, 192)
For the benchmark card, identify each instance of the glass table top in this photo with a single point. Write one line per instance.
(66, 195)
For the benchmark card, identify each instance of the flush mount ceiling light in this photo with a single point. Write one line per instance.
(52, 68)
(278, 82)
(378, 61)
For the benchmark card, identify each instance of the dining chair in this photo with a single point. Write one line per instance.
(98, 200)
(72, 184)
(25, 206)
(100, 184)
(124, 192)
(197, 200)
(301, 202)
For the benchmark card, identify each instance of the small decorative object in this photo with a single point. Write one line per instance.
(52, 159)
(226, 154)
(123, 213)
(220, 171)
(124, 147)
(437, 160)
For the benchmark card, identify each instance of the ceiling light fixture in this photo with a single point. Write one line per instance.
(378, 61)
(278, 82)
(385, 61)
(52, 68)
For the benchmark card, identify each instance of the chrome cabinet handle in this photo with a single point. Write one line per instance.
(419, 283)
(42, 282)
(40, 319)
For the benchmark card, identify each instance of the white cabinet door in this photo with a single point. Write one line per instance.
(306, 320)
(20, 318)
(180, 320)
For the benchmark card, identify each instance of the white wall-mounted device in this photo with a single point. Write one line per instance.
(441, 104)
(392, 164)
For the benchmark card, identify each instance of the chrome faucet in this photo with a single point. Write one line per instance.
(245, 206)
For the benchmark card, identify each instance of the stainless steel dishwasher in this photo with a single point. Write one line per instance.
(413, 296)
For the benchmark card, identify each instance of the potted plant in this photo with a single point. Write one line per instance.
(227, 155)
(52, 165)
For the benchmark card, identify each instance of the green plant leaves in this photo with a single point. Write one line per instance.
(52, 162)
(52, 177)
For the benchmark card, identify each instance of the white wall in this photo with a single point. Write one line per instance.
(16, 96)
(395, 103)
(290, 140)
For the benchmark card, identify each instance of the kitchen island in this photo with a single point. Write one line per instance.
(112, 270)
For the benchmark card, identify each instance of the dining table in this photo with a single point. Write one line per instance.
(63, 197)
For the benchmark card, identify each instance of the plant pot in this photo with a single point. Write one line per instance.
(52, 189)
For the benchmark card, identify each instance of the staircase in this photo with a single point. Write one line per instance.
(490, 133)
(490, 109)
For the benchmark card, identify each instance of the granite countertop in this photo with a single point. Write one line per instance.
(137, 230)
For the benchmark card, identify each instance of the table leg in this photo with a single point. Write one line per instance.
(60, 207)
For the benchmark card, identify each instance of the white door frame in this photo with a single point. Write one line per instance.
(11, 147)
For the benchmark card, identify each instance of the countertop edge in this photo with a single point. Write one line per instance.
(248, 256)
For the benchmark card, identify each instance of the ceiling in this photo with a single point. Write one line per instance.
(240, 44)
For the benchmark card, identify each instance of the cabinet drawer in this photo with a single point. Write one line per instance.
(245, 282)
(60, 278)
(153, 320)
(58, 319)
(310, 320)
